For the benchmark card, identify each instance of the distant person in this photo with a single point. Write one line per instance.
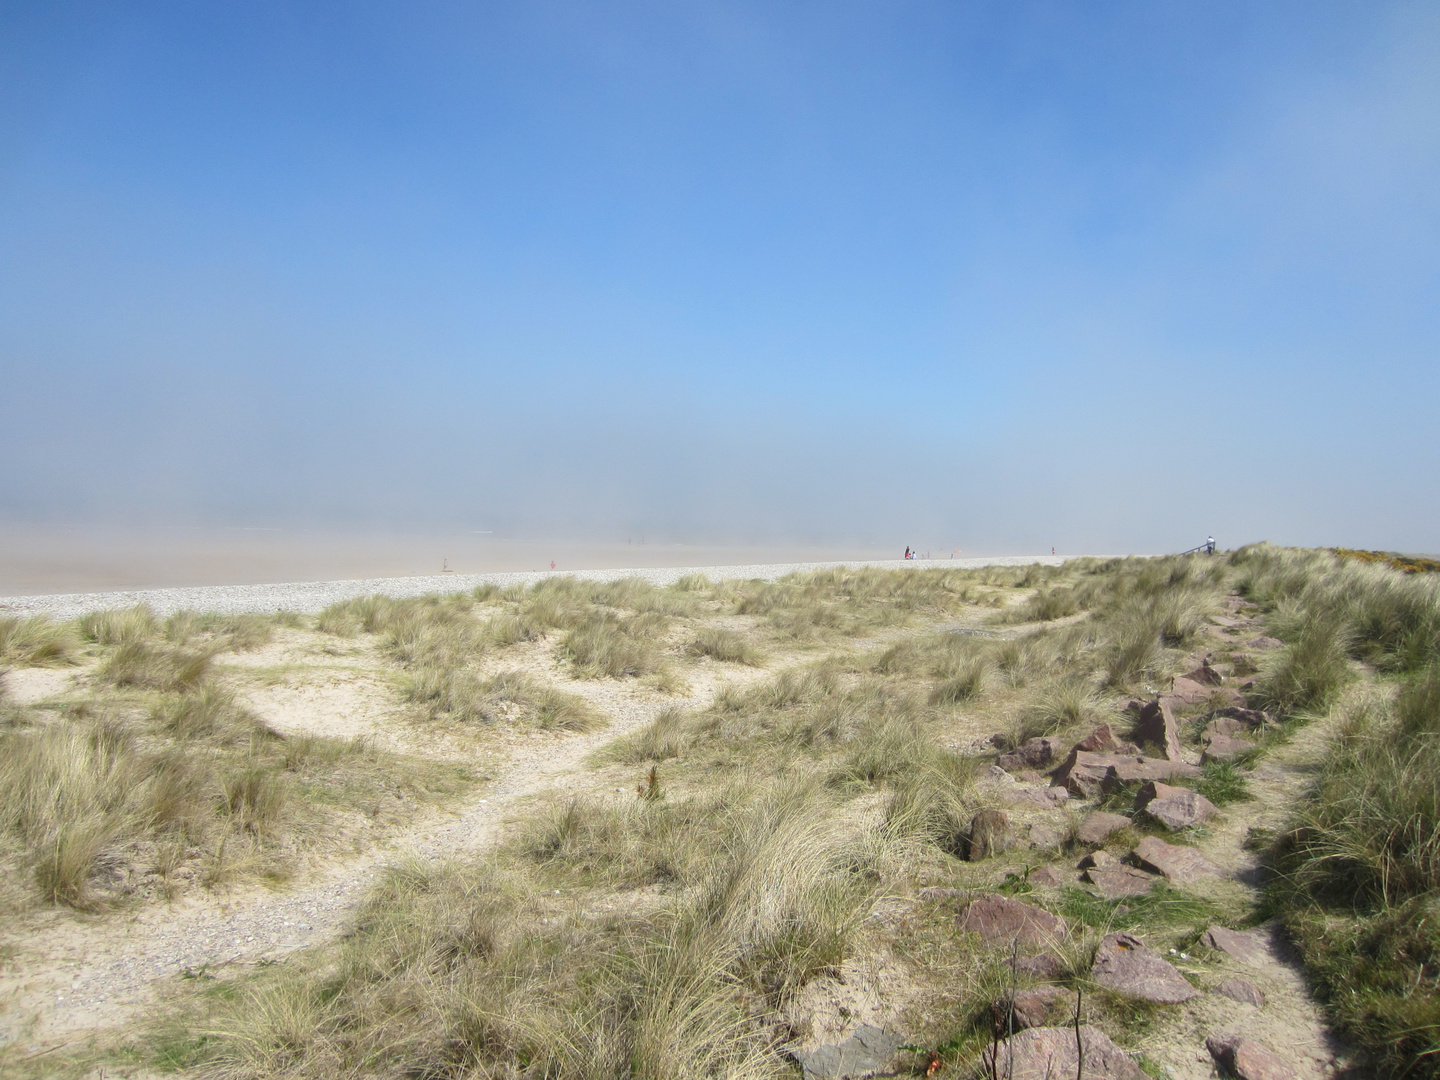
(1052, 550)
(552, 564)
(1209, 545)
(907, 551)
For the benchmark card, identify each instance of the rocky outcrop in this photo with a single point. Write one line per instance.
(1086, 774)
(1128, 966)
(1049, 1053)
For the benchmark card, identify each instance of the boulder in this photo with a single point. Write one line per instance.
(1097, 827)
(865, 1053)
(1034, 754)
(1051, 1053)
(1156, 727)
(1241, 944)
(1098, 860)
(1247, 1059)
(1178, 863)
(1128, 966)
(1137, 770)
(1223, 725)
(1002, 918)
(1189, 692)
(1174, 807)
(1046, 837)
(1240, 990)
(990, 834)
(1224, 748)
(1114, 882)
(1038, 1006)
(1100, 741)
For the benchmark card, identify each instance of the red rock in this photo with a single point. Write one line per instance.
(1205, 674)
(1239, 990)
(1046, 875)
(1098, 825)
(1174, 807)
(1241, 944)
(1100, 741)
(1140, 769)
(1128, 966)
(1247, 1059)
(1251, 718)
(1086, 775)
(1113, 882)
(1224, 748)
(1000, 917)
(1052, 1053)
(1036, 1007)
(1178, 863)
(990, 834)
(1156, 727)
(1223, 725)
(1097, 860)
(1033, 754)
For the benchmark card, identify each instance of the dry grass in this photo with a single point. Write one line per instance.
(36, 642)
(726, 645)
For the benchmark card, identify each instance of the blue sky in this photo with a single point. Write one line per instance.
(996, 275)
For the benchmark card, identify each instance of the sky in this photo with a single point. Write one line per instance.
(995, 276)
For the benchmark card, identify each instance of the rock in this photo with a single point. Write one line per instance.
(1205, 674)
(1097, 827)
(1046, 837)
(865, 1053)
(1113, 882)
(1156, 727)
(989, 834)
(1224, 748)
(1241, 944)
(1001, 918)
(1034, 754)
(1046, 875)
(1174, 807)
(1128, 966)
(1100, 741)
(1039, 1006)
(1086, 774)
(1263, 642)
(1223, 725)
(1098, 860)
(1189, 692)
(1247, 1059)
(998, 740)
(1178, 863)
(1252, 718)
(1051, 1053)
(1242, 991)
(1042, 966)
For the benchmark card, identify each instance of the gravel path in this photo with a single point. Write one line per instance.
(75, 976)
(308, 597)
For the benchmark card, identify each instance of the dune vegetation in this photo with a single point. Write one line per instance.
(741, 880)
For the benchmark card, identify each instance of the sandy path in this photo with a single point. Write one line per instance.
(73, 975)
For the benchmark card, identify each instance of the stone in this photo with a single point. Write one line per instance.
(1085, 774)
(864, 1053)
(1174, 807)
(1252, 718)
(1034, 754)
(1247, 1059)
(1041, 966)
(1178, 863)
(1263, 642)
(1241, 944)
(1189, 692)
(1240, 990)
(1001, 918)
(1156, 727)
(1046, 837)
(1097, 827)
(990, 834)
(1224, 748)
(1223, 725)
(1046, 875)
(1098, 860)
(1052, 1053)
(1128, 966)
(1038, 1006)
(1206, 674)
(1114, 882)
(1100, 741)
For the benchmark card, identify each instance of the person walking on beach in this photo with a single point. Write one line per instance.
(907, 551)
